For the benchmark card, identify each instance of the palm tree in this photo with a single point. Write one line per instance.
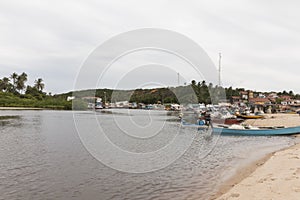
(38, 84)
(4, 84)
(20, 83)
(14, 78)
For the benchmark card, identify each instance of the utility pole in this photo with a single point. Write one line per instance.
(220, 56)
(104, 99)
(178, 79)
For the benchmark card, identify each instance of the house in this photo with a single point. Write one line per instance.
(244, 95)
(236, 99)
(285, 98)
(250, 94)
(272, 95)
(70, 98)
(261, 104)
(259, 101)
(261, 95)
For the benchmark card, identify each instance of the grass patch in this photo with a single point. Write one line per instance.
(48, 102)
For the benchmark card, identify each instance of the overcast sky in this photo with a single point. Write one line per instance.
(259, 40)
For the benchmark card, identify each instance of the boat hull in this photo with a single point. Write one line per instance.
(227, 121)
(257, 132)
(250, 116)
(202, 127)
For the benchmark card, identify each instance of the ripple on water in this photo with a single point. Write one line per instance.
(42, 158)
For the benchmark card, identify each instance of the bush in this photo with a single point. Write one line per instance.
(79, 104)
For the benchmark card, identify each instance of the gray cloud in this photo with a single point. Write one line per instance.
(259, 40)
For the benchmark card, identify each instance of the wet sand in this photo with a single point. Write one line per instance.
(276, 176)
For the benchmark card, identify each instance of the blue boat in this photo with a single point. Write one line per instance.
(199, 125)
(270, 131)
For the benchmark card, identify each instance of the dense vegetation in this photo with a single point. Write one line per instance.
(200, 92)
(15, 93)
(193, 93)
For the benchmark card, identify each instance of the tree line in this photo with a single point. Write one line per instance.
(201, 93)
(16, 84)
(15, 92)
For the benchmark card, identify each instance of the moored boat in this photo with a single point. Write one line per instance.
(263, 131)
(250, 116)
(228, 121)
(199, 125)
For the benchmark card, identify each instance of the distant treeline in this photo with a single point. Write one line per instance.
(195, 92)
(15, 92)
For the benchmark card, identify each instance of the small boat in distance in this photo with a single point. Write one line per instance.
(98, 104)
(250, 116)
(199, 126)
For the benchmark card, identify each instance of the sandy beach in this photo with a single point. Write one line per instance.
(275, 177)
(288, 120)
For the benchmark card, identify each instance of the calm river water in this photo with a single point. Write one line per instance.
(42, 157)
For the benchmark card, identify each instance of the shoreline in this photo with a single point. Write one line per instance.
(240, 174)
(244, 172)
(20, 108)
(267, 178)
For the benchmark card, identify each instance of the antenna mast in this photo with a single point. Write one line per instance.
(220, 56)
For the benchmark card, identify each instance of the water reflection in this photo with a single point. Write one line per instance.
(42, 157)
